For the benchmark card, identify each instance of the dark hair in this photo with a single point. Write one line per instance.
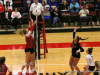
(44, 2)
(16, 8)
(27, 8)
(2, 60)
(79, 38)
(90, 50)
(7, 2)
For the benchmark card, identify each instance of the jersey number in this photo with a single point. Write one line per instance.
(2, 69)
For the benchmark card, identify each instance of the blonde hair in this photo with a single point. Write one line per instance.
(97, 63)
(21, 32)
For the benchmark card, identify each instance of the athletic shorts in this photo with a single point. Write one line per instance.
(91, 68)
(30, 50)
(76, 56)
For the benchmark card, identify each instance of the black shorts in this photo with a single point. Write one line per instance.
(30, 50)
(76, 56)
(91, 68)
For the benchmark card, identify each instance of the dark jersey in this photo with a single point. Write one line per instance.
(76, 46)
(96, 73)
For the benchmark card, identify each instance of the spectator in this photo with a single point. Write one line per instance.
(64, 6)
(43, 4)
(74, 6)
(83, 4)
(4, 67)
(27, 8)
(1, 8)
(97, 5)
(9, 6)
(61, 1)
(6, 16)
(71, 1)
(1, 2)
(5, 1)
(89, 2)
(56, 17)
(16, 16)
(53, 5)
(83, 15)
(97, 65)
(46, 8)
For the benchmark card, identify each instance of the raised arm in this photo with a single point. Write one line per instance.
(74, 32)
(31, 30)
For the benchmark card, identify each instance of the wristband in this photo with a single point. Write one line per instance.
(78, 51)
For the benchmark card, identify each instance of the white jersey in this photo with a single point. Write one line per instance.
(90, 60)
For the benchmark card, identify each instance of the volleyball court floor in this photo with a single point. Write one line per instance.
(59, 51)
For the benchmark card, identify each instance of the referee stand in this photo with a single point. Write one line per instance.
(41, 40)
(43, 44)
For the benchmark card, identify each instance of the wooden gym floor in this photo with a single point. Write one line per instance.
(57, 59)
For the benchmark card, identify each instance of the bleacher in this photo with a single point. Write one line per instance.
(67, 17)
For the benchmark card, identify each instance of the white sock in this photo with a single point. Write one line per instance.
(21, 71)
(27, 71)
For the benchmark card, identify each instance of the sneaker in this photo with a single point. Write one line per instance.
(71, 73)
(26, 73)
(35, 73)
(19, 73)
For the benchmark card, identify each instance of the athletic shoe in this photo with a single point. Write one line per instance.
(26, 73)
(71, 73)
(19, 73)
(35, 73)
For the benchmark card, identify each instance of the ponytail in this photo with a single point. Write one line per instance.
(79, 38)
(21, 32)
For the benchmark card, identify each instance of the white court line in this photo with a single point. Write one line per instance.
(60, 64)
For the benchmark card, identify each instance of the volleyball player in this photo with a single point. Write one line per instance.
(97, 65)
(4, 67)
(75, 57)
(32, 63)
(29, 49)
(90, 62)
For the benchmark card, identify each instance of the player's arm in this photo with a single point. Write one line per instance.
(74, 32)
(10, 73)
(81, 49)
(31, 30)
(87, 59)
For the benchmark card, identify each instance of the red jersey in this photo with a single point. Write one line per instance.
(1, 8)
(4, 69)
(29, 38)
(31, 24)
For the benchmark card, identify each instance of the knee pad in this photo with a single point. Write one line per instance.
(31, 63)
(25, 64)
(74, 66)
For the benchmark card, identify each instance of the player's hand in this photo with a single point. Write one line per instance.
(76, 28)
(77, 53)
